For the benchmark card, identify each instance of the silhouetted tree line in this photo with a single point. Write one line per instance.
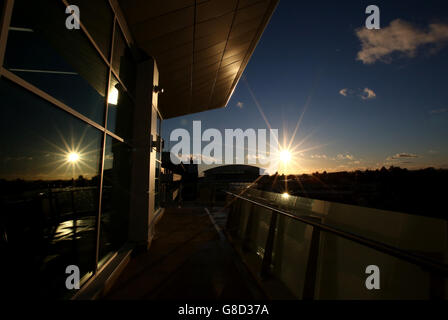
(19, 186)
(421, 192)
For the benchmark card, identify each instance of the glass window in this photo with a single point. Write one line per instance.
(159, 125)
(158, 168)
(115, 200)
(98, 18)
(48, 194)
(157, 201)
(122, 61)
(119, 119)
(59, 61)
(158, 132)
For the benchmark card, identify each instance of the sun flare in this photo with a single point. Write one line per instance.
(73, 157)
(285, 156)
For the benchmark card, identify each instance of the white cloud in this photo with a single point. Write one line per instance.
(403, 155)
(399, 37)
(319, 156)
(345, 157)
(339, 157)
(367, 94)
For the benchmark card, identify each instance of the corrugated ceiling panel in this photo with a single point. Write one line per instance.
(201, 47)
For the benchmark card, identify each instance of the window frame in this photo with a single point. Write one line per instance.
(120, 25)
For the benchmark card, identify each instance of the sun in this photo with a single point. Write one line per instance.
(73, 157)
(285, 156)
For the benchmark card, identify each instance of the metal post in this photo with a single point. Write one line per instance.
(311, 267)
(267, 258)
(247, 230)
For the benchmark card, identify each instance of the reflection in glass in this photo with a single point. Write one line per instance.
(158, 167)
(122, 61)
(115, 200)
(113, 95)
(120, 112)
(59, 61)
(48, 194)
(98, 18)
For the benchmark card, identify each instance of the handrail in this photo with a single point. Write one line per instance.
(413, 258)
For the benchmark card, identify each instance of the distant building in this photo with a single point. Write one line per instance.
(233, 173)
(218, 179)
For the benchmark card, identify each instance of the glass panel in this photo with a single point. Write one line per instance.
(157, 197)
(156, 187)
(341, 274)
(119, 119)
(159, 125)
(122, 62)
(157, 201)
(158, 165)
(59, 61)
(48, 194)
(98, 18)
(257, 230)
(115, 203)
(290, 254)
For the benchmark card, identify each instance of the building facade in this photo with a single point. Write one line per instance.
(81, 111)
(68, 146)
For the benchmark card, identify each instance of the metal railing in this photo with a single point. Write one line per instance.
(427, 264)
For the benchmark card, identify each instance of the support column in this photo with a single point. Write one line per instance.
(142, 206)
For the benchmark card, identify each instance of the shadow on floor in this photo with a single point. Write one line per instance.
(187, 260)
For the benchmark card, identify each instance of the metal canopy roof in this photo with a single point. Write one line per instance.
(201, 47)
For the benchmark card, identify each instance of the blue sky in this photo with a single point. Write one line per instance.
(394, 109)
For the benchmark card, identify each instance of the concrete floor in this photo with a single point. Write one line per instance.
(188, 260)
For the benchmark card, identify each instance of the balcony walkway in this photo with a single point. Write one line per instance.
(188, 259)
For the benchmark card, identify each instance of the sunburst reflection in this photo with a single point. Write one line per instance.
(73, 156)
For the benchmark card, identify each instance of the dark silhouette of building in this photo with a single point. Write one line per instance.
(232, 173)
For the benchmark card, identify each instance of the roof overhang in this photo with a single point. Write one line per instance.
(201, 47)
